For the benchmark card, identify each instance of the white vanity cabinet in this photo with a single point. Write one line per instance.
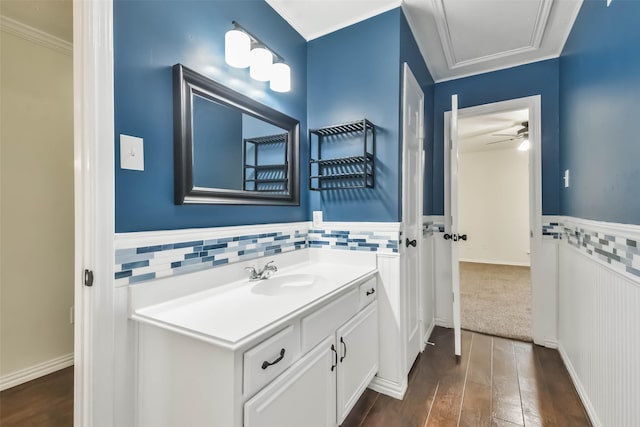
(306, 368)
(314, 392)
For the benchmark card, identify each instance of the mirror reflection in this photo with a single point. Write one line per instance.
(235, 151)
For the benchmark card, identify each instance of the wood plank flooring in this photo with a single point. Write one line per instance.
(497, 382)
(43, 402)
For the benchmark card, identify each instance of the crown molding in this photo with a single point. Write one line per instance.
(26, 32)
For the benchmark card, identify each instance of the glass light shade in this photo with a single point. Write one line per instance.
(261, 61)
(280, 77)
(524, 145)
(237, 46)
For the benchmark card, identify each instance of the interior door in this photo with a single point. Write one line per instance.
(413, 120)
(453, 232)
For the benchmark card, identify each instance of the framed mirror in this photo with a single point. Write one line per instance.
(229, 148)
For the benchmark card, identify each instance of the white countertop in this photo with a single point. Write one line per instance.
(232, 314)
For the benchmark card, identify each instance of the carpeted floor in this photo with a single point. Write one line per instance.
(496, 299)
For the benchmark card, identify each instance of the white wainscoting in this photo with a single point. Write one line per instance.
(427, 292)
(599, 331)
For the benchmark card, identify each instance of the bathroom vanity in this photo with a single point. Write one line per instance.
(295, 350)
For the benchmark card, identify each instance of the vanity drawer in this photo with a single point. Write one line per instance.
(323, 322)
(270, 358)
(368, 292)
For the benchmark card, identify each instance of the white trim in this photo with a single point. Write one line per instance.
(360, 226)
(436, 219)
(549, 343)
(495, 262)
(147, 238)
(428, 332)
(389, 388)
(94, 333)
(443, 323)
(533, 104)
(36, 371)
(39, 37)
(584, 397)
(442, 25)
(282, 10)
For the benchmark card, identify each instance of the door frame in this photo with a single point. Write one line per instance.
(533, 103)
(408, 74)
(94, 354)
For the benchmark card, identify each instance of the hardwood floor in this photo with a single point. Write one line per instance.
(497, 382)
(43, 402)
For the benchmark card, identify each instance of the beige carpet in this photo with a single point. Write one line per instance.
(496, 299)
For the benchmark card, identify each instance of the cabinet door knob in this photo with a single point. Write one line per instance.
(266, 364)
(371, 292)
(344, 354)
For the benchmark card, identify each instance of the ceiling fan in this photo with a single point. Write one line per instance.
(522, 133)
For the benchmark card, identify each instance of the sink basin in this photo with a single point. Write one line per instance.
(288, 284)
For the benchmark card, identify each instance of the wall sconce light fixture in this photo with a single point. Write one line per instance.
(242, 50)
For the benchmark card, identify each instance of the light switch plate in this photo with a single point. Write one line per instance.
(317, 217)
(131, 153)
(566, 178)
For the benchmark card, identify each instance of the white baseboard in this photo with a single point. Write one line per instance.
(444, 323)
(389, 388)
(586, 402)
(549, 343)
(24, 375)
(494, 262)
(428, 332)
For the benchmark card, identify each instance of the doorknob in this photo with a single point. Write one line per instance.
(411, 242)
(455, 237)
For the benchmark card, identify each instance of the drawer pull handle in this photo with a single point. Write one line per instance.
(371, 292)
(344, 354)
(266, 364)
(333, 348)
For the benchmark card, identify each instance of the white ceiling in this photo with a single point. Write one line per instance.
(456, 37)
(54, 17)
(477, 133)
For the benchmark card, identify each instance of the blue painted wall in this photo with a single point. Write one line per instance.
(410, 53)
(539, 78)
(599, 111)
(150, 37)
(356, 73)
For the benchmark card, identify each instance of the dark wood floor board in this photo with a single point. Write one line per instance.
(476, 402)
(446, 407)
(43, 402)
(361, 409)
(506, 403)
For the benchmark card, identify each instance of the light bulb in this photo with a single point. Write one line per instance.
(261, 61)
(524, 145)
(237, 46)
(280, 77)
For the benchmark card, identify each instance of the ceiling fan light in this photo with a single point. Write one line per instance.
(524, 145)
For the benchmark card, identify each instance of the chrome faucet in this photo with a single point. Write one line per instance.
(262, 274)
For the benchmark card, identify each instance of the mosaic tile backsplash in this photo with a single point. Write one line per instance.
(139, 264)
(552, 230)
(135, 265)
(621, 253)
(354, 240)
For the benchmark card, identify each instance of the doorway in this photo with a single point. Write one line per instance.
(538, 297)
(493, 211)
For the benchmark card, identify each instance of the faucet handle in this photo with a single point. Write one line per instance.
(270, 266)
(253, 274)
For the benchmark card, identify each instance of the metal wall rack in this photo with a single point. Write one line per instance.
(342, 172)
(267, 178)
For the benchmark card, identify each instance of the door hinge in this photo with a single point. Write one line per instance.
(88, 278)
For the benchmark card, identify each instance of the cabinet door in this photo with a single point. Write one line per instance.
(358, 362)
(304, 395)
